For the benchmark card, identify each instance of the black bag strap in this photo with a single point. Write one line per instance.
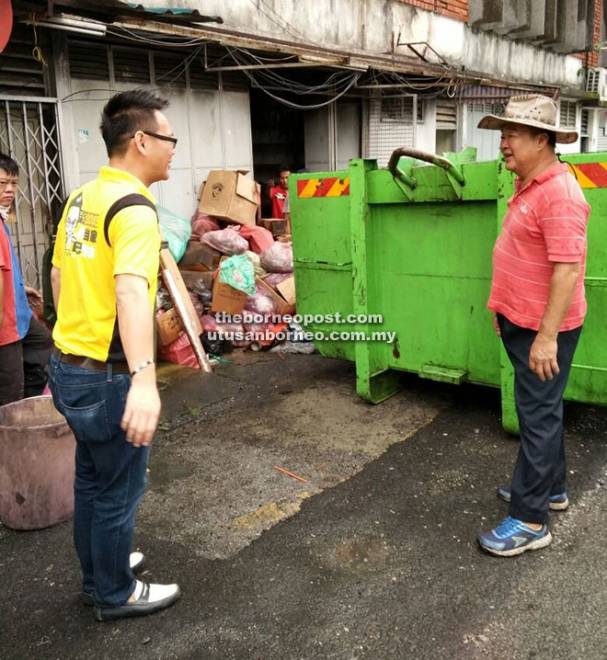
(55, 219)
(133, 199)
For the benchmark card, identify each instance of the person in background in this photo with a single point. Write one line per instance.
(279, 195)
(266, 198)
(25, 344)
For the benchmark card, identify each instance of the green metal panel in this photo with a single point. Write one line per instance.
(323, 235)
(417, 251)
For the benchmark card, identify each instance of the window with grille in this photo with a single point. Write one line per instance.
(132, 66)
(593, 78)
(496, 108)
(381, 136)
(568, 114)
(20, 73)
(89, 60)
(397, 109)
(585, 122)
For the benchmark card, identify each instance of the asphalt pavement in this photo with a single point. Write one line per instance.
(372, 555)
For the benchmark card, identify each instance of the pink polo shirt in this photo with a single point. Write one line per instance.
(545, 224)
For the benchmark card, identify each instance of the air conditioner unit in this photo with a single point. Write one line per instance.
(596, 83)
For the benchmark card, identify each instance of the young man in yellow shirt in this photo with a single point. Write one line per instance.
(102, 372)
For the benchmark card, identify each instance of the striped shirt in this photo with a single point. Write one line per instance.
(545, 224)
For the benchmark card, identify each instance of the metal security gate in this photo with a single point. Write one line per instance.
(29, 133)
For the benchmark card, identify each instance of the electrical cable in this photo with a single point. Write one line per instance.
(298, 106)
(182, 65)
(269, 59)
(85, 91)
(332, 84)
(129, 35)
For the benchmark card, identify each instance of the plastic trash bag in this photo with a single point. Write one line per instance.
(260, 303)
(278, 258)
(259, 271)
(175, 231)
(238, 271)
(227, 241)
(260, 239)
(203, 223)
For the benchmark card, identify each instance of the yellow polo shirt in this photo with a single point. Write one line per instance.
(87, 323)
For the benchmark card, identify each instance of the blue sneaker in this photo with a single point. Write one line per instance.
(558, 502)
(512, 537)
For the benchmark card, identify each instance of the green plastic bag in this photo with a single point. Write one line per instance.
(238, 271)
(175, 231)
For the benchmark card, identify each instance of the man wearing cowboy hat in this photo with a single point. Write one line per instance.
(537, 296)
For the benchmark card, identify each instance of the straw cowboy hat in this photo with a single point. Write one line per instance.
(532, 110)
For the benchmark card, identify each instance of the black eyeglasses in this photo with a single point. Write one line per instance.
(159, 136)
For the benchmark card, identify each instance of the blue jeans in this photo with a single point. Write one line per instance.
(110, 476)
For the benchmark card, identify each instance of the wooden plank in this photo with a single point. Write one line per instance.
(181, 298)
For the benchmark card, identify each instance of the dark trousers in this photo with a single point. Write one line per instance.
(23, 364)
(540, 469)
(110, 476)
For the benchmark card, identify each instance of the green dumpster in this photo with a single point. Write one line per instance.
(401, 258)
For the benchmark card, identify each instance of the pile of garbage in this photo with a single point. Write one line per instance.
(238, 272)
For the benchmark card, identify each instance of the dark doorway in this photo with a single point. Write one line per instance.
(278, 137)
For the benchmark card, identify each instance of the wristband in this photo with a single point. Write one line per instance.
(141, 367)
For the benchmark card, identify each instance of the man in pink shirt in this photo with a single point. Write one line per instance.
(537, 297)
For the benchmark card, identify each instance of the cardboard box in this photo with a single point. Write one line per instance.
(226, 299)
(230, 195)
(169, 327)
(277, 226)
(282, 306)
(286, 288)
(199, 256)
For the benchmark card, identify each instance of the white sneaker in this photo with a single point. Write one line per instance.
(136, 562)
(146, 599)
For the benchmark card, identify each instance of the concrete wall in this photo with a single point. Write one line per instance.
(372, 26)
(213, 128)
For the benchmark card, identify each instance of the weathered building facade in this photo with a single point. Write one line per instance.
(279, 83)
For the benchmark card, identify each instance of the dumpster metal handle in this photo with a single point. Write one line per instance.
(446, 164)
